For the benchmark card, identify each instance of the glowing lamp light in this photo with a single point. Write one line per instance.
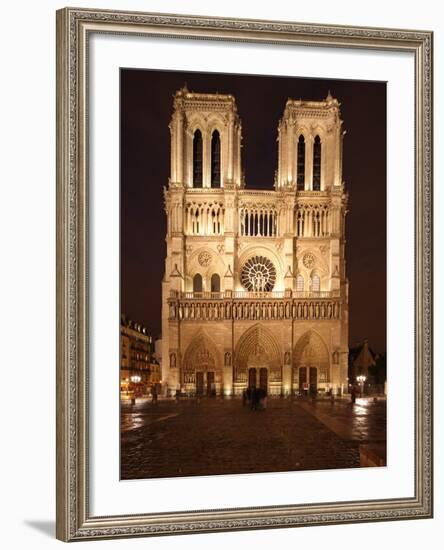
(361, 379)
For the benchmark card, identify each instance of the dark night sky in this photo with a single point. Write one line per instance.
(146, 108)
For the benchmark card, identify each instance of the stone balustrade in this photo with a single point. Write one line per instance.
(247, 295)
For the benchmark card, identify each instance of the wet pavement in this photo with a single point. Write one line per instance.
(216, 436)
(364, 421)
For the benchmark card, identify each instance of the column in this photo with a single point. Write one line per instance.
(286, 378)
(230, 148)
(173, 149)
(189, 159)
(289, 152)
(279, 153)
(179, 149)
(283, 148)
(237, 170)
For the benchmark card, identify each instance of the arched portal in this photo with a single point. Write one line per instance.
(311, 365)
(258, 361)
(202, 372)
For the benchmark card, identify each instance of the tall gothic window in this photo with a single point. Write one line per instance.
(315, 283)
(215, 283)
(317, 164)
(301, 164)
(197, 283)
(299, 283)
(197, 159)
(215, 159)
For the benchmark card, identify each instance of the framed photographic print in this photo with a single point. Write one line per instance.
(244, 274)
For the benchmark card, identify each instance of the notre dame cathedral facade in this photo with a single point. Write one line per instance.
(255, 291)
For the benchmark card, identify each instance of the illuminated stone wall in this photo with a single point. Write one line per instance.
(255, 288)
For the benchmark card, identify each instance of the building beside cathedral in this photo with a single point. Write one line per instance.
(255, 291)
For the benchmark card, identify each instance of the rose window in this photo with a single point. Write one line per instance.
(308, 260)
(258, 274)
(204, 259)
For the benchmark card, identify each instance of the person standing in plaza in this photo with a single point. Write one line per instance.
(353, 394)
(254, 398)
(154, 394)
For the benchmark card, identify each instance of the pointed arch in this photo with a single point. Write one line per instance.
(300, 283)
(197, 158)
(311, 351)
(215, 159)
(215, 282)
(201, 355)
(317, 152)
(315, 282)
(197, 283)
(257, 347)
(301, 163)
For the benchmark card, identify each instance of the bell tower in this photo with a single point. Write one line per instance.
(310, 145)
(310, 137)
(200, 203)
(205, 141)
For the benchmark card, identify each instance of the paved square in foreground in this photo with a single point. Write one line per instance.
(215, 436)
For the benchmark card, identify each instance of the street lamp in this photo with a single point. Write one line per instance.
(361, 380)
(134, 379)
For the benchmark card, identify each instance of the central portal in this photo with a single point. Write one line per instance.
(258, 378)
(205, 383)
(308, 381)
(257, 362)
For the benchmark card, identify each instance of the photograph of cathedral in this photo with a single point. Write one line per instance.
(253, 274)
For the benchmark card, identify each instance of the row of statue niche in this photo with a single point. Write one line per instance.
(228, 358)
(256, 310)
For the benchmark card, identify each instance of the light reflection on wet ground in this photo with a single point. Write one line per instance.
(133, 421)
(216, 436)
(364, 421)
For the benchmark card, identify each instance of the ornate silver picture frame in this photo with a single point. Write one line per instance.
(75, 27)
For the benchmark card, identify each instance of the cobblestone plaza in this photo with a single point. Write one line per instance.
(215, 436)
